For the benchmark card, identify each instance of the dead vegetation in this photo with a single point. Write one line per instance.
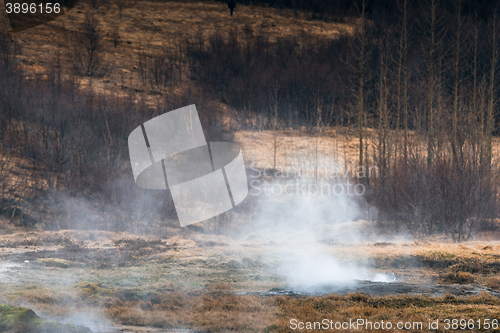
(36, 239)
(457, 277)
(195, 282)
(218, 309)
(59, 250)
(139, 24)
(392, 308)
(163, 282)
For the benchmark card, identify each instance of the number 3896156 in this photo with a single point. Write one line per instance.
(32, 8)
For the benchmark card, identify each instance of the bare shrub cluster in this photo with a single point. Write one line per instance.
(424, 76)
(289, 83)
(8, 50)
(86, 52)
(72, 158)
(443, 198)
(159, 66)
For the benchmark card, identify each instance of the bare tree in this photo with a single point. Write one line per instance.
(87, 47)
(115, 36)
(8, 50)
(455, 144)
(120, 4)
(157, 66)
(404, 63)
(360, 78)
(95, 3)
(383, 110)
(431, 63)
(490, 121)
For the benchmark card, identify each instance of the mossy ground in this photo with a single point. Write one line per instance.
(21, 319)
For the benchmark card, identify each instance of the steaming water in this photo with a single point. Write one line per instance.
(309, 267)
(7, 269)
(297, 224)
(380, 289)
(92, 320)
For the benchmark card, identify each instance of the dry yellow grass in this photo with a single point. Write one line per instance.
(215, 308)
(412, 309)
(331, 149)
(218, 310)
(156, 23)
(186, 281)
(300, 149)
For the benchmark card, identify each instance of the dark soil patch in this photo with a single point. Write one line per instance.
(127, 253)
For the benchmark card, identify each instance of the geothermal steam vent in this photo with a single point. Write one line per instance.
(170, 151)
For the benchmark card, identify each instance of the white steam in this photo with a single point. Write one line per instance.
(93, 320)
(303, 226)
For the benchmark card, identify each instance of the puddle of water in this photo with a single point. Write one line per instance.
(374, 288)
(132, 329)
(7, 269)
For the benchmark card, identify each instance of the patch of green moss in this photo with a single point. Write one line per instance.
(18, 319)
(60, 263)
(9, 315)
(91, 289)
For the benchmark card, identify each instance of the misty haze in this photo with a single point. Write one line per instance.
(369, 134)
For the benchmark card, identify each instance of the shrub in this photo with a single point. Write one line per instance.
(457, 277)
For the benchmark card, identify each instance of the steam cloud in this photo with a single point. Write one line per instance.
(299, 225)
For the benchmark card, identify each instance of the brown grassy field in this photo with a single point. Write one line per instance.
(205, 282)
(154, 23)
(333, 147)
(187, 281)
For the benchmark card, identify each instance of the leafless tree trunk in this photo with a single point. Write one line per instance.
(455, 144)
(431, 65)
(87, 47)
(491, 99)
(383, 110)
(404, 51)
(361, 62)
